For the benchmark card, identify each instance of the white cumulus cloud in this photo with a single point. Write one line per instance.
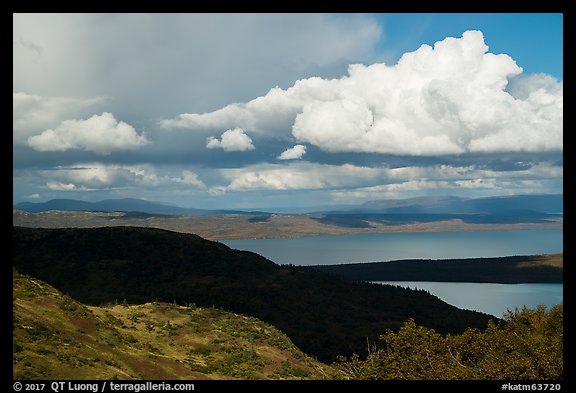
(231, 140)
(456, 180)
(450, 98)
(101, 134)
(101, 176)
(32, 113)
(294, 153)
(350, 182)
(189, 178)
(298, 176)
(59, 186)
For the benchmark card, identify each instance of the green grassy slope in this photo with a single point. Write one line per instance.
(56, 337)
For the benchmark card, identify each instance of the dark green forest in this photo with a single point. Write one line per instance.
(506, 270)
(324, 315)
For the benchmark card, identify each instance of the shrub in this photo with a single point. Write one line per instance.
(526, 345)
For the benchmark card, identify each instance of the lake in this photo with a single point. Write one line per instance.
(490, 298)
(378, 247)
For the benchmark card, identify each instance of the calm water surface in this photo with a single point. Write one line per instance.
(493, 299)
(490, 298)
(377, 247)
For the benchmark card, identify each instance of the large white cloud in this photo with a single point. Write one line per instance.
(448, 99)
(231, 140)
(102, 134)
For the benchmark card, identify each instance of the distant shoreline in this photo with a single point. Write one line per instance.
(245, 226)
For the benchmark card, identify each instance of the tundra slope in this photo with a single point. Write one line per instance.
(58, 338)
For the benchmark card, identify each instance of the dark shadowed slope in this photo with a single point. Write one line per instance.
(322, 314)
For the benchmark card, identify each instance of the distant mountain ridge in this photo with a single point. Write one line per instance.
(544, 203)
(497, 205)
(121, 205)
(516, 209)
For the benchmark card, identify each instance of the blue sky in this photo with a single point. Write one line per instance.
(533, 40)
(275, 110)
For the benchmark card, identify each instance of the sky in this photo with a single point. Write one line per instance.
(271, 111)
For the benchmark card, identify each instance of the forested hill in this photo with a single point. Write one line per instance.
(506, 270)
(322, 314)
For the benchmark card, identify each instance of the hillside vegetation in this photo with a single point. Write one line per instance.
(526, 345)
(322, 314)
(56, 337)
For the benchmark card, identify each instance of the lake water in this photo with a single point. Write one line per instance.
(490, 298)
(493, 299)
(378, 247)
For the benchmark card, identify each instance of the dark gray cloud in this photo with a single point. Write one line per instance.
(160, 65)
